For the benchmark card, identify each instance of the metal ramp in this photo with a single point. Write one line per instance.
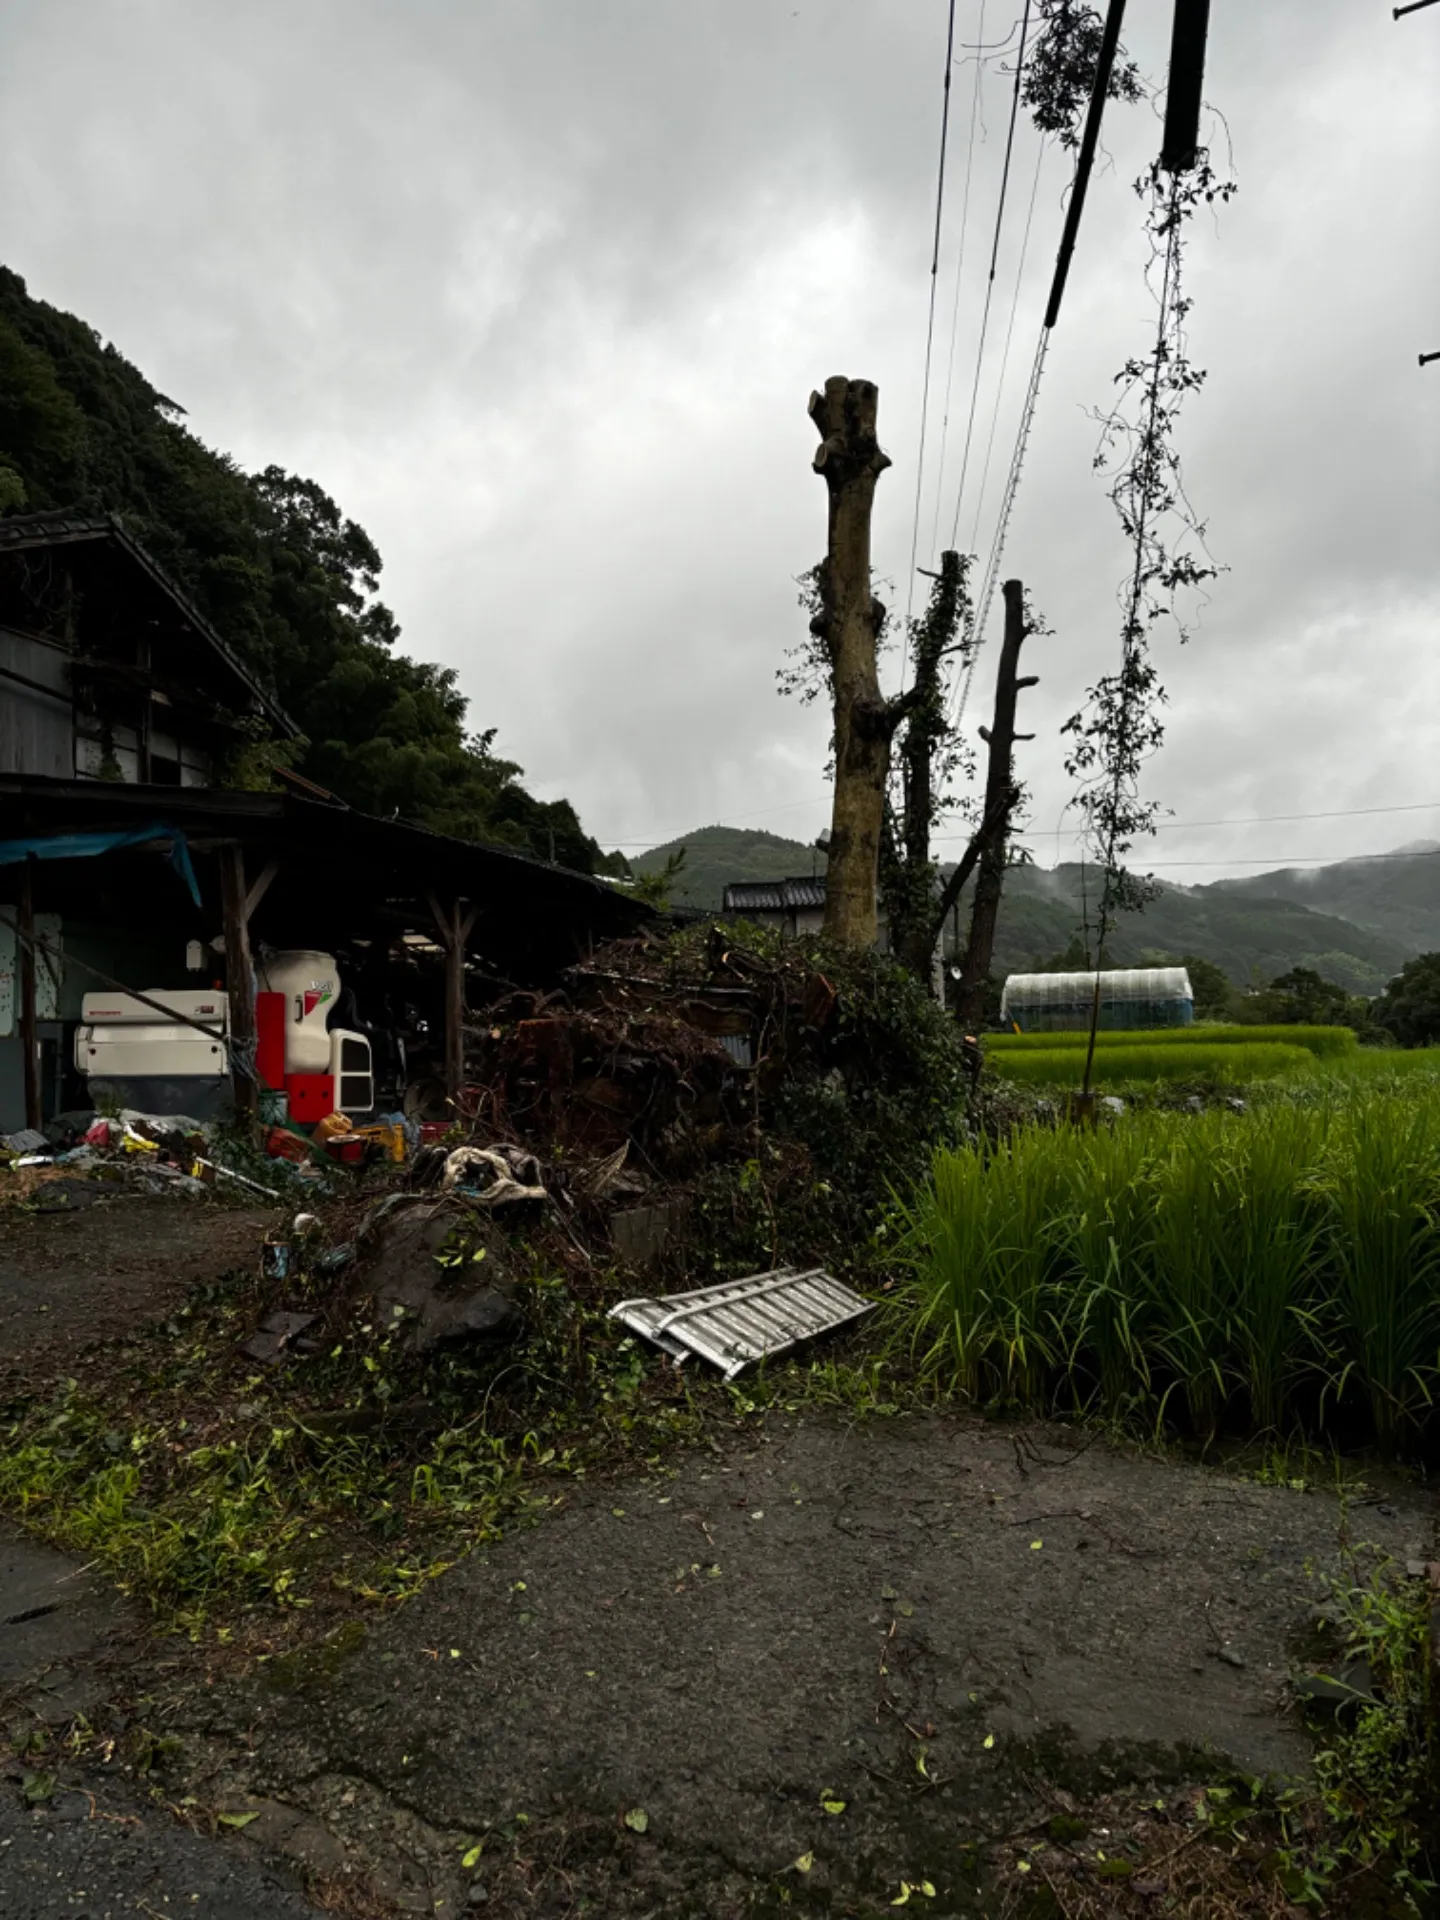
(739, 1322)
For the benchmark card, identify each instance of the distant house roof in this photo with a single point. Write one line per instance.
(774, 896)
(19, 532)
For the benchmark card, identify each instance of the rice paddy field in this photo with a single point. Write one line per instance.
(1224, 1054)
(1276, 1269)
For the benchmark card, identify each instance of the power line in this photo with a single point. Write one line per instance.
(930, 326)
(1100, 87)
(1163, 826)
(990, 281)
(1009, 337)
(959, 278)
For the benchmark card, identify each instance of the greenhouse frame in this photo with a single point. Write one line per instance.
(1130, 997)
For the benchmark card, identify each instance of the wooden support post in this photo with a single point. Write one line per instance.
(453, 924)
(25, 980)
(239, 982)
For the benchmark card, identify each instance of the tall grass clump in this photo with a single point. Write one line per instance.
(1277, 1268)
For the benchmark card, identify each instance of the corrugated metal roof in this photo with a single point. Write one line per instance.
(738, 1322)
(774, 896)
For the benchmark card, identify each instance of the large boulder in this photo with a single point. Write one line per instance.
(434, 1303)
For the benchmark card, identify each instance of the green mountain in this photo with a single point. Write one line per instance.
(1397, 893)
(715, 855)
(1253, 936)
(285, 577)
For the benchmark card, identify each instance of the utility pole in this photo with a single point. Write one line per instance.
(850, 461)
(1398, 13)
(1181, 145)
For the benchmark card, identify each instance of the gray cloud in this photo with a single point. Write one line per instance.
(539, 292)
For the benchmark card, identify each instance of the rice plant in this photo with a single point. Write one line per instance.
(1381, 1180)
(1325, 1043)
(1139, 1061)
(1280, 1265)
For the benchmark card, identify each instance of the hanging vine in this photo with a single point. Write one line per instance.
(1120, 726)
(1060, 72)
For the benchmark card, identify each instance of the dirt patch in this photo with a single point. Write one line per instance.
(69, 1278)
(939, 1625)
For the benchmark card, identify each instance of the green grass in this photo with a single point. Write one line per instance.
(1276, 1269)
(1139, 1061)
(1325, 1043)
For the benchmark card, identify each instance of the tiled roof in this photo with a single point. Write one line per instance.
(21, 530)
(774, 896)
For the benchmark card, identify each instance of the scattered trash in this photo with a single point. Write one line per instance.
(495, 1177)
(276, 1336)
(739, 1322)
(276, 1259)
(27, 1141)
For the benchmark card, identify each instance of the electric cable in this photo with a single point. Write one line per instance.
(975, 637)
(1005, 355)
(959, 279)
(990, 281)
(930, 329)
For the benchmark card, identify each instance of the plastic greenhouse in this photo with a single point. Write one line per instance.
(1129, 997)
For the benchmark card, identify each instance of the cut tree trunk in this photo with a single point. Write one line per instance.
(850, 461)
(1000, 796)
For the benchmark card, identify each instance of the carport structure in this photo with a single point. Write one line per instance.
(291, 869)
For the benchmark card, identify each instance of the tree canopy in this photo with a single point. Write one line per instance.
(287, 579)
(1410, 1006)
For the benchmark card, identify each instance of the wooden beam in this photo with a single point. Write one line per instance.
(239, 982)
(25, 980)
(261, 887)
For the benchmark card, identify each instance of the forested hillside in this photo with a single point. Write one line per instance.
(1251, 935)
(273, 561)
(1395, 893)
(716, 855)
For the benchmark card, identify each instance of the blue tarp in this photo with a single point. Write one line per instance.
(83, 846)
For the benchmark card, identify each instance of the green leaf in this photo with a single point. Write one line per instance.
(637, 1820)
(37, 1787)
(236, 1819)
(472, 1858)
(830, 1804)
(902, 1898)
(803, 1863)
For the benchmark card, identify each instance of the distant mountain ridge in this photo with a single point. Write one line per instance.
(1254, 928)
(1395, 893)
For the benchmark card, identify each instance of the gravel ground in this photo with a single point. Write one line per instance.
(67, 1279)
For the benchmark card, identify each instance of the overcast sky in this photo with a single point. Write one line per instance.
(538, 291)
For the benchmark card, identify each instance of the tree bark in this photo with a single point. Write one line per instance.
(850, 461)
(1000, 796)
(910, 886)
